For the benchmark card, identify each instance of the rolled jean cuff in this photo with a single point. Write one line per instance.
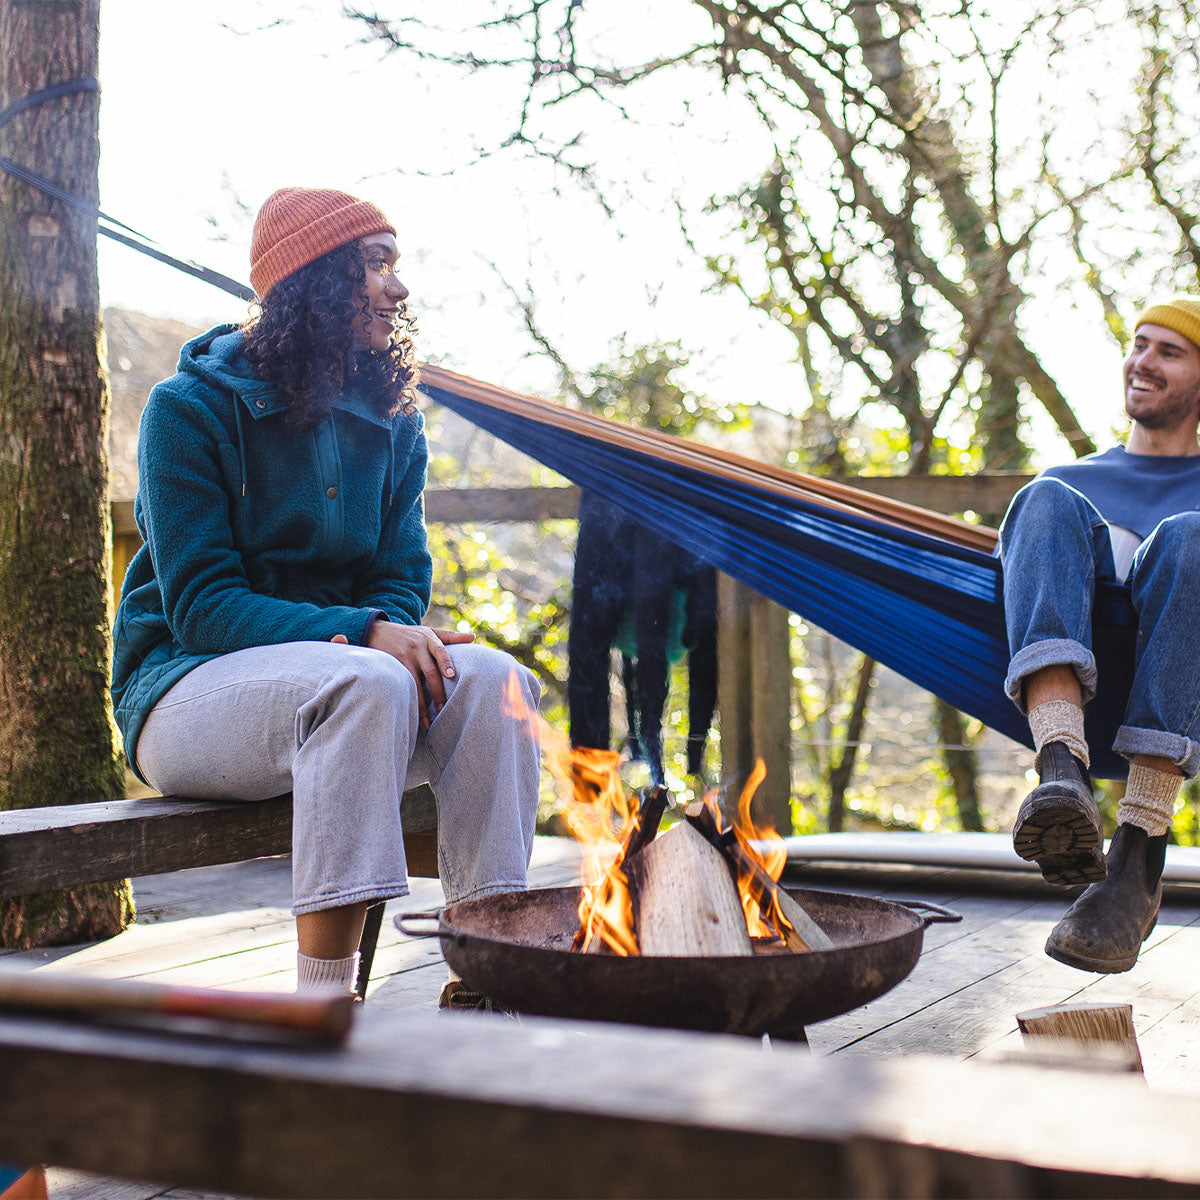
(489, 889)
(1180, 750)
(359, 895)
(1053, 652)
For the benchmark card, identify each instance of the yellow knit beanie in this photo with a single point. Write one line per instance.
(297, 225)
(1181, 313)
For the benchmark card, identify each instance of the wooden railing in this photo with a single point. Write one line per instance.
(989, 492)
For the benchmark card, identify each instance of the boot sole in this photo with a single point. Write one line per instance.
(1102, 966)
(1064, 842)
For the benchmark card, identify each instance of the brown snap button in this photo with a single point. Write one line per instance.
(331, 492)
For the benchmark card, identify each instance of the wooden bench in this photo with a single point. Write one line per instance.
(68, 845)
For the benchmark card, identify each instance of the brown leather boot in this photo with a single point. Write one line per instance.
(1105, 928)
(1059, 826)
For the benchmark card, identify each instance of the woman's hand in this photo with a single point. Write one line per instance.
(423, 652)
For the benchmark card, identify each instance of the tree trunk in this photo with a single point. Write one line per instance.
(841, 773)
(931, 146)
(961, 764)
(57, 742)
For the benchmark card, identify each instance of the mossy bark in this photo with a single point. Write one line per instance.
(57, 740)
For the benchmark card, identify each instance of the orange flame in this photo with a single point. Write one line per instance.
(600, 817)
(514, 705)
(763, 846)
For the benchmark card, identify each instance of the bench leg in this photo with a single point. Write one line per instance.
(366, 947)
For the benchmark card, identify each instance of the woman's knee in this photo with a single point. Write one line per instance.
(493, 672)
(372, 678)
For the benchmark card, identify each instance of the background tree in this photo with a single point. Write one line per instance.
(57, 742)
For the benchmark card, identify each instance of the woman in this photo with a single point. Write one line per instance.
(269, 634)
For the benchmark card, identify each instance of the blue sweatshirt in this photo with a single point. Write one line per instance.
(256, 536)
(1134, 491)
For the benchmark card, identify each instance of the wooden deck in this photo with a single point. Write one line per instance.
(230, 926)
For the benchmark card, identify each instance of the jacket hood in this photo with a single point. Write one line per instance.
(216, 357)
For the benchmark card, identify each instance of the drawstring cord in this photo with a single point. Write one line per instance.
(241, 440)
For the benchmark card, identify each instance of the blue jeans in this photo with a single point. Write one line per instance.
(1054, 546)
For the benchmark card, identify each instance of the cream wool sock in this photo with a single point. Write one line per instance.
(326, 973)
(1058, 721)
(1149, 800)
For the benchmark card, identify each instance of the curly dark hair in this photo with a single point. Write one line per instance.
(302, 340)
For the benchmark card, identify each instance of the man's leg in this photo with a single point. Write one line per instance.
(1054, 546)
(1104, 929)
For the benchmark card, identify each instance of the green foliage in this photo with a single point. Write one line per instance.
(1186, 826)
(641, 387)
(475, 589)
(824, 682)
(870, 446)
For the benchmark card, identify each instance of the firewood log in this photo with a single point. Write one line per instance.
(803, 926)
(684, 901)
(805, 933)
(1080, 1028)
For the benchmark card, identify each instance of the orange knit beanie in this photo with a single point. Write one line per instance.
(297, 225)
(1181, 313)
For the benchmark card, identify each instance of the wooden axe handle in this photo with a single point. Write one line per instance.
(319, 1016)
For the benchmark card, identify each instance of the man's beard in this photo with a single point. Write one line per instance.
(1166, 411)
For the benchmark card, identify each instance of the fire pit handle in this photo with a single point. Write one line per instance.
(932, 914)
(401, 921)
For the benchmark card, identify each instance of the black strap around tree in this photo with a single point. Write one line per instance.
(109, 226)
(86, 83)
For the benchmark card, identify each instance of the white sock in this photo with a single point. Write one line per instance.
(326, 973)
(1149, 800)
(1058, 721)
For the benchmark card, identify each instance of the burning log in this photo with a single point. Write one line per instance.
(653, 803)
(797, 929)
(678, 894)
(684, 901)
(597, 928)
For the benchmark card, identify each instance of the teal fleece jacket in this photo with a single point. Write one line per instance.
(255, 535)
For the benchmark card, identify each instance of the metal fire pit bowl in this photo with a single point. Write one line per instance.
(515, 948)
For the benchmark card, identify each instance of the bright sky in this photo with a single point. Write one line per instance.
(200, 122)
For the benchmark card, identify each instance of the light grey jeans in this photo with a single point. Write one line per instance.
(338, 726)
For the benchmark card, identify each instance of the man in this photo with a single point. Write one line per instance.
(1131, 514)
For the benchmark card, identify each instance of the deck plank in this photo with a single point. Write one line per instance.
(955, 957)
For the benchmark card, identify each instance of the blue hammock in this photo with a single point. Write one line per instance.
(916, 591)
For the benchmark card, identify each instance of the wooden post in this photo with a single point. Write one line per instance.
(771, 684)
(734, 687)
(754, 699)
